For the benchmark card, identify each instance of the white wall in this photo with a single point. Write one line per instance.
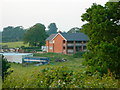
(17, 58)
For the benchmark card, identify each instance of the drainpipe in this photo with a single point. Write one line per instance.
(74, 48)
(66, 48)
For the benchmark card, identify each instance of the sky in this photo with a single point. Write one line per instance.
(65, 13)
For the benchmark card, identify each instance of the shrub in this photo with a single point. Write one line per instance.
(78, 54)
(5, 67)
(31, 49)
(106, 58)
(59, 77)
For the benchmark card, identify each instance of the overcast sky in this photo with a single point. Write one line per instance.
(65, 13)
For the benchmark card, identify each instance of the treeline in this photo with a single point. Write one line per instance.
(13, 34)
(34, 36)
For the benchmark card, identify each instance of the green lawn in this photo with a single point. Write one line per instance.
(71, 63)
(14, 44)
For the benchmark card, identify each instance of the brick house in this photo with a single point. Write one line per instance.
(67, 43)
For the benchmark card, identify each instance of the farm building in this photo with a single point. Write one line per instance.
(67, 43)
(16, 57)
(42, 60)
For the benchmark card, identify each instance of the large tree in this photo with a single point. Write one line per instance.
(52, 29)
(12, 34)
(74, 30)
(103, 30)
(35, 35)
(0, 37)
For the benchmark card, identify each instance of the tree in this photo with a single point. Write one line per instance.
(74, 30)
(52, 29)
(103, 30)
(12, 34)
(5, 67)
(0, 37)
(35, 35)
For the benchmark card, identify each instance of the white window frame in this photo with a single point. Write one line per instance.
(50, 47)
(51, 42)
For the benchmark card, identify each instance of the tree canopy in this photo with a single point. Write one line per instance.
(35, 35)
(12, 34)
(103, 30)
(52, 29)
(74, 30)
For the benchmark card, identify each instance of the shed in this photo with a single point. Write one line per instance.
(16, 57)
(43, 60)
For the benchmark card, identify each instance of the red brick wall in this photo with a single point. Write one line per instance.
(48, 44)
(58, 44)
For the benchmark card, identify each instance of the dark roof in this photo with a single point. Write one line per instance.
(51, 37)
(71, 36)
(75, 36)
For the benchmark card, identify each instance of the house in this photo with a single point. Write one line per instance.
(67, 43)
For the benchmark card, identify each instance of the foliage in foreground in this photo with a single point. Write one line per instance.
(5, 67)
(78, 54)
(59, 77)
(103, 30)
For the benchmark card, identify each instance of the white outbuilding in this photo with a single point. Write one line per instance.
(16, 57)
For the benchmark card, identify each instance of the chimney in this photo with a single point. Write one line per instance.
(59, 31)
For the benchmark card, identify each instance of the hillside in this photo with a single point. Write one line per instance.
(14, 44)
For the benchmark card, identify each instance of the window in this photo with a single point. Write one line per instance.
(84, 41)
(84, 47)
(51, 42)
(63, 41)
(50, 47)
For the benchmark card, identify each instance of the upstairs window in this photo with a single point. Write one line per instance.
(50, 48)
(63, 41)
(51, 42)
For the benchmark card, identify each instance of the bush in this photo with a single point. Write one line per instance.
(106, 57)
(78, 54)
(31, 49)
(5, 67)
(59, 77)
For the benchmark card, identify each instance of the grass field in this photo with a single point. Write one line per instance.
(73, 63)
(14, 44)
(43, 76)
